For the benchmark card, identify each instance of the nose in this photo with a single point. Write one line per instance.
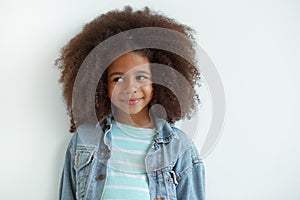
(130, 87)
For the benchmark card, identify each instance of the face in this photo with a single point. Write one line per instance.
(129, 84)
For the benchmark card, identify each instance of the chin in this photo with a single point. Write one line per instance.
(131, 112)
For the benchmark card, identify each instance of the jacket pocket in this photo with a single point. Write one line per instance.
(163, 185)
(83, 165)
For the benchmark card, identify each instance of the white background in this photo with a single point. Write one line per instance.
(254, 44)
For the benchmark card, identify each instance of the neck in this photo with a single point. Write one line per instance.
(141, 119)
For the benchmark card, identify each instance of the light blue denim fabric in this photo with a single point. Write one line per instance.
(173, 166)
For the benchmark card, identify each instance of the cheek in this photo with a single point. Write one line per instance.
(148, 90)
(113, 92)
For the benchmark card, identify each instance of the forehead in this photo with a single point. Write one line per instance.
(129, 62)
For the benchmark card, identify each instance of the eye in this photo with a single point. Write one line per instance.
(141, 78)
(118, 79)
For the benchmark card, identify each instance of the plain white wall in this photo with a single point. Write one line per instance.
(254, 44)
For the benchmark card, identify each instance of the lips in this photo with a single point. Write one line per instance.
(132, 101)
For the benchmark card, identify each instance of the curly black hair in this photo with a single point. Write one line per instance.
(178, 100)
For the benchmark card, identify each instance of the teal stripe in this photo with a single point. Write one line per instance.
(125, 194)
(124, 180)
(132, 145)
(135, 131)
(124, 141)
(132, 183)
(124, 161)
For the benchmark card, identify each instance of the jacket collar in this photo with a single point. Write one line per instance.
(163, 128)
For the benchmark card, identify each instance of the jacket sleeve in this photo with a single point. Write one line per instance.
(67, 190)
(191, 178)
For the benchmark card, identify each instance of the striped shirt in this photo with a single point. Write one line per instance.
(127, 177)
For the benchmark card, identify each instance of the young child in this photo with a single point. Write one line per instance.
(132, 150)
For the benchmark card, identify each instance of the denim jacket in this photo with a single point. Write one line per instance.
(173, 166)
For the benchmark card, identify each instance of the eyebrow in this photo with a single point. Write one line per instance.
(137, 72)
(116, 73)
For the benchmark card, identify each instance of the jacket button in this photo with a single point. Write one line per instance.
(101, 177)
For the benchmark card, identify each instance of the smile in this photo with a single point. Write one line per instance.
(132, 101)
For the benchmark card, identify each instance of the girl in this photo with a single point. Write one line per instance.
(132, 150)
